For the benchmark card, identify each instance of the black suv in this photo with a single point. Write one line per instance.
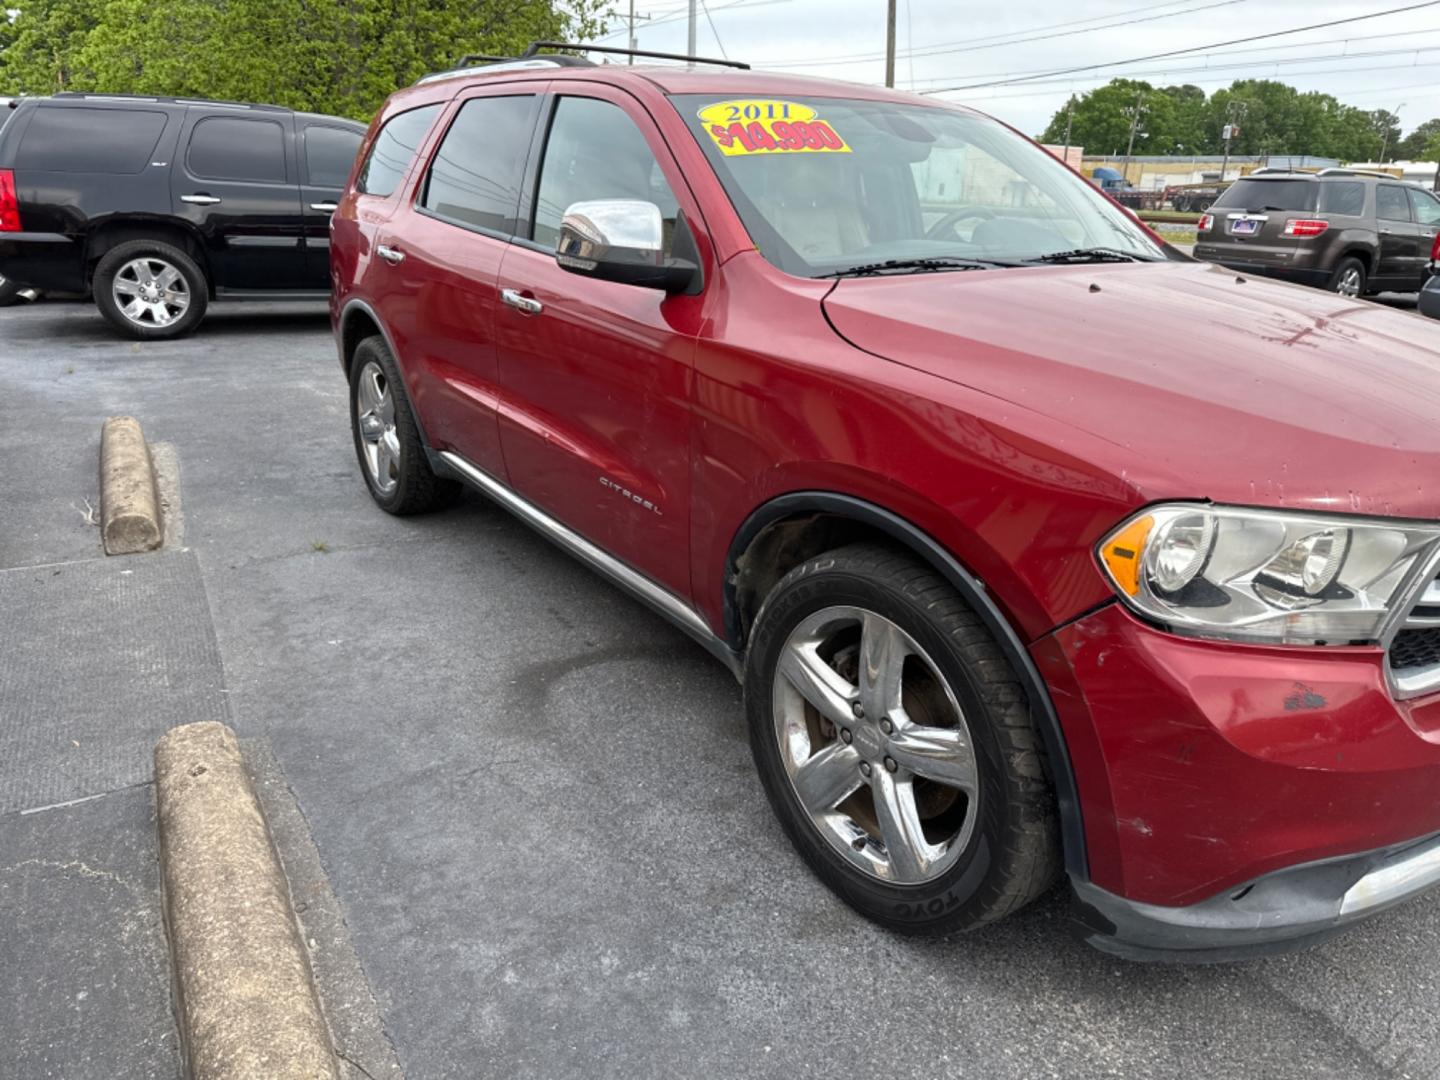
(1345, 230)
(158, 205)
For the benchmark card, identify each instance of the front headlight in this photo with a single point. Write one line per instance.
(1265, 575)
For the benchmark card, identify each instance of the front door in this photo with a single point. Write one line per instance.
(237, 180)
(1427, 218)
(327, 151)
(1400, 259)
(596, 376)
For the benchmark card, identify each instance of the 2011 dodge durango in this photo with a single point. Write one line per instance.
(1043, 552)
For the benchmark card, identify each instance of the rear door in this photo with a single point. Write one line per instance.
(236, 179)
(439, 256)
(327, 153)
(1401, 263)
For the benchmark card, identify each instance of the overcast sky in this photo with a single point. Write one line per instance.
(1376, 63)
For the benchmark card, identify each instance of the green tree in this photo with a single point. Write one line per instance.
(334, 56)
(1103, 117)
(1415, 146)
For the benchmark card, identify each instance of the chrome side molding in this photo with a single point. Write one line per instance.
(677, 610)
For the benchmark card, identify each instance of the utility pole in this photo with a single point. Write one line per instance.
(634, 44)
(1069, 124)
(1230, 130)
(890, 44)
(690, 37)
(1385, 138)
(1135, 115)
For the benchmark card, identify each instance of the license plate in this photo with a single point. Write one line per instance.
(1244, 228)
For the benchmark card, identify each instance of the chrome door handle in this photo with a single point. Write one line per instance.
(394, 256)
(326, 207)
(521, 303)
(200, 200)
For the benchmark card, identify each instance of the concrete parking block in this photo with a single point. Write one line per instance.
(129, 502)
(246, 1002)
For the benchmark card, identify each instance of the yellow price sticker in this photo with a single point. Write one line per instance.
(754, 126)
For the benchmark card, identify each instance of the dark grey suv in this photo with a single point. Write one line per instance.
(1340, 229)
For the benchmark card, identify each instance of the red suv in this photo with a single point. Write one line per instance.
(1039, 547)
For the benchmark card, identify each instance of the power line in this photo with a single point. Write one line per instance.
(943, 51)
(1192, 49)
(683, 14)
(706, 8)
(997, 37)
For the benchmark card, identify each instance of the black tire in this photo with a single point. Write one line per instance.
(1012, 854)
(1338, 280)
(415, 488)
(9, 292)
(1181, 205)
(114, 261)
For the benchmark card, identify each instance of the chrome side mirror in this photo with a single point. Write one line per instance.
(623, 240)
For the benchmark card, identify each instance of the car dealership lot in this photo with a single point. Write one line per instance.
(532, 798)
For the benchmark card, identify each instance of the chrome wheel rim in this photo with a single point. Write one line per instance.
(1349, 283)
(375, 421)
(150, 292)
(875, 745)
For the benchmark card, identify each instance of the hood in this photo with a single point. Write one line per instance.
(1196, 382)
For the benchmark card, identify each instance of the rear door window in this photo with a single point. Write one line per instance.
(1342, 197)
(1391, 203)
(393, 150)
(1297, 196)
(475, 178)
(329, 153)
(90, 140)
(231, 148)
(1427, 207)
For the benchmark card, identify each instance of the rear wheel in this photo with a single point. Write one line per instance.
(1349, 278)
(387, 437)
(9, 292)
(150, 289)
(896, 746)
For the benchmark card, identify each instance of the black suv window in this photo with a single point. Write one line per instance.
(475, 177)
(391, 152)
(1251, 194)
(595, 151)
(1342, 197)
(229, 148)
(90, 140)
(1427, 207)
(1391, 203)
(329, 153)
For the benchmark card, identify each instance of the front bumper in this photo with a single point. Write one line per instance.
(1233, 794)
(1281, 912)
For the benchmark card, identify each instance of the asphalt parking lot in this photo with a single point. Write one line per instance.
(531, 798)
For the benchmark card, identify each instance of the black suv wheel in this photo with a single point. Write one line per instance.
(896, 745)
(1349, 278)
(150, 289)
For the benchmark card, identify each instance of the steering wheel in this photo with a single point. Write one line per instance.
(950, 220)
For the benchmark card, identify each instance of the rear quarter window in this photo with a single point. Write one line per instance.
(329, 153)
(393, 150)
(116, 141)
(1279, 195)
(1342, 197)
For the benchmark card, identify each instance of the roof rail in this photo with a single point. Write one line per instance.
(475, 62)
(536, 46)
(1357, 172)
(81, 95)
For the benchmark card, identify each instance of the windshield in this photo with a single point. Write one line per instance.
(1269, 195)
(825, 185)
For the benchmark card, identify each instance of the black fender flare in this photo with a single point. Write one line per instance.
(1067, 798)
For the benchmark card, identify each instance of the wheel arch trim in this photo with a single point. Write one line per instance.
(1072, 831)
(348, 312)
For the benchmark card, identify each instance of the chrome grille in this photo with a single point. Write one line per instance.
(1414, 654)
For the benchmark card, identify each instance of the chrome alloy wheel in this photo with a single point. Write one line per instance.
(150, 292)
(1349, 283)
(375, 416)
(875, 745)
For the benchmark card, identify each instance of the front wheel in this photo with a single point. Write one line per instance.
(150, 289)
(895, 744)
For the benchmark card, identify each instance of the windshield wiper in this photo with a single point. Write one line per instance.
(1089, 255)
(901, 266)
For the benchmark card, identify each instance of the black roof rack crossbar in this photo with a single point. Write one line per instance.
(536, 46)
